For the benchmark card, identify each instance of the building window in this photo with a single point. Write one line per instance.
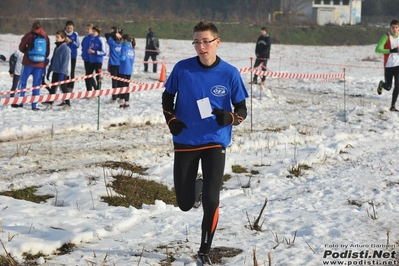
(336, 2)
(326, 2)
(345, 2)
(317, 2)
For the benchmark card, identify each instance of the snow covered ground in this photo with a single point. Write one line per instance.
(343, 209)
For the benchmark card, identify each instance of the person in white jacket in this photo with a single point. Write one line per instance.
(15, 69)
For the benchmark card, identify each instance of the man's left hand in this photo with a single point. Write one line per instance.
(223, 118)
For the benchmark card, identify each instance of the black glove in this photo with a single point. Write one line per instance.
(176, 126)
(394, 51)
(223, 118)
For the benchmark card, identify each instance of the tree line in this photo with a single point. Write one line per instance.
(245, 11)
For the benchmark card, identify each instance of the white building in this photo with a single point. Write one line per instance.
(338, 12)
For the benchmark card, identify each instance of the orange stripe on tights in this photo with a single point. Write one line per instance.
(215, 220)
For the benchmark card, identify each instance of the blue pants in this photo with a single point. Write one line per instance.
(37, 74)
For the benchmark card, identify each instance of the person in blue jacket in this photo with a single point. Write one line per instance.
(59, 66)
(200, 120)
(126, 62)
(73, 43)
(115, 46)
(90, 82)
(96, 53)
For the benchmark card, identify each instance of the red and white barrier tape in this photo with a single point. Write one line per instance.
(291, 75)
(80, 95)
(122, 79)
(139, 87)
(49, 85)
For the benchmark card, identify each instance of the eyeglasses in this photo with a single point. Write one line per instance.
(205, 43)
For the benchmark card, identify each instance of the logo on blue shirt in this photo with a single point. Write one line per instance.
(219, 90)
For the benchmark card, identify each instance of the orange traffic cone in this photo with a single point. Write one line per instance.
(162, 76)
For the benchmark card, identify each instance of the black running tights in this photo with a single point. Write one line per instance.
(185, 173)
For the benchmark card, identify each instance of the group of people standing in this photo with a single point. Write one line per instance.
(121, 58)
(31, 58)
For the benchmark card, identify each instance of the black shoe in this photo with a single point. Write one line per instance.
(203, 259)
(198, 191)
(16, 105)
(393, 109)
(380, 87)
(36, 109)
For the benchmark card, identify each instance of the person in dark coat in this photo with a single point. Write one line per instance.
(262, 52)
(151, 50)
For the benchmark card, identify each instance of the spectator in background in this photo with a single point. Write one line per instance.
(114, 42)
(59, 66)
(96, 54)
(151, 50)
(73, 43)
(262, 52)
(90, 82)
(126, 60)
(388, 46)
(30, 67)
(15, 69)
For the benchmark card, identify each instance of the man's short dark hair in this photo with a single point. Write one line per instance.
(205, 25)
(264, 28)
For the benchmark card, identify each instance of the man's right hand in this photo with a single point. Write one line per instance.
(176, 126)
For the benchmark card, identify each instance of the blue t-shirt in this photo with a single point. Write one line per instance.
(191, 82)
